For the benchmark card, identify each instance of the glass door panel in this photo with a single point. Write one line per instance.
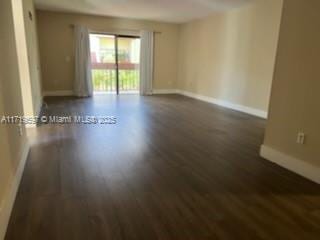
(115, 63)
(103, 63)
(128, 64)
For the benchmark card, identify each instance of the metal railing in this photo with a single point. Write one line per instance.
(104, 77)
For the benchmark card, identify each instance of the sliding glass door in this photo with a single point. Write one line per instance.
(115, 63)
(103, 63)
(128, 64)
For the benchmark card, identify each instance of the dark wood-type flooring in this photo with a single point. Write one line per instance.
(172, 168)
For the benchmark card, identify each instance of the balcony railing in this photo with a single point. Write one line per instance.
(104, 77)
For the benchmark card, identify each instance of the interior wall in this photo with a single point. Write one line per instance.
(11, 143)
(57, 47)
(33, 53)
(28, 55)
(295, 98)
(230, 55)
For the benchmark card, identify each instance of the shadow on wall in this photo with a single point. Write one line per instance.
(235, 60)
(230, 55)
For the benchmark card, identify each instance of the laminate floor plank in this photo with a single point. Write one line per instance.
(171, 168)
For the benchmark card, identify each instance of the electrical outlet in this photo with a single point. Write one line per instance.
(301, 138)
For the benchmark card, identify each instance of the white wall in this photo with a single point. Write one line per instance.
(230, 56)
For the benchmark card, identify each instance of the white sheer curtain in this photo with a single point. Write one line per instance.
(83, 82)
(146, 62)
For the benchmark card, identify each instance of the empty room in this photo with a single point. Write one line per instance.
(168, 120)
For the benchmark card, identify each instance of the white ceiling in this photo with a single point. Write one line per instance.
(177, 11)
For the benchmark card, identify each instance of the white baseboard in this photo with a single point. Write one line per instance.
(62, 93)
(226, 104)
(298, 166)
(8, 202)
(223, 103)
(165, 91)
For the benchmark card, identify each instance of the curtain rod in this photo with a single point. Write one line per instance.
(121, 29)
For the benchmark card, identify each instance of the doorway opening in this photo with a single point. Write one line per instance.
(115, 63)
